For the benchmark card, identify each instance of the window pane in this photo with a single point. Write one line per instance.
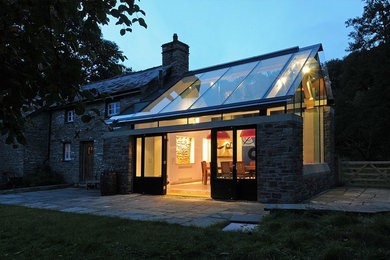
(225, 86)
(236, 115)
(246, 154)
(225, 154)
(259, 81)
(284, 82)
(311, 136)
(275, 110)
(153, 156)
(138, 157)
(157, 105)
(193, 92)
(145, 125)
(180, 121)
(67, 152)
(204, 119)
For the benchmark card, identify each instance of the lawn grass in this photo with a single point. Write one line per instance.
(27, 233)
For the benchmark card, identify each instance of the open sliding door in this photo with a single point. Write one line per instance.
(150, 164)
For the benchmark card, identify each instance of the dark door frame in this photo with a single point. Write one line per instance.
(150, 185)
(234, 188)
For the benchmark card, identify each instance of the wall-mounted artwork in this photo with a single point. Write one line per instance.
(184, 150)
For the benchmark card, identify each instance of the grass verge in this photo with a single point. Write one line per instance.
(44, 234)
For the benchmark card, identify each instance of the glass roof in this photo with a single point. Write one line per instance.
(267, 78)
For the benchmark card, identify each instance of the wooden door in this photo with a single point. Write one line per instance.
(86, 161)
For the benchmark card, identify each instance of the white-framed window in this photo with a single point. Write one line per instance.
(113, 108)
(69, 116)
(67, 149)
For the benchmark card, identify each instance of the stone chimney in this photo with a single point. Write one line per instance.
(175, 53)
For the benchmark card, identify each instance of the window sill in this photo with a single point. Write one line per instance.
(315, 169)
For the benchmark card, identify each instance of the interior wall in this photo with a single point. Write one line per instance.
(182, 173)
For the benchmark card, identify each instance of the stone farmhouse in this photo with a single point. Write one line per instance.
(255, 129)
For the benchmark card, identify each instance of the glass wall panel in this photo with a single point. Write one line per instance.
(284, 82)
(225, 86)
(194, 91)
(153, 156)
(138, 155)
(313, 136)
(246, 154)
(225, 154)
(236, 115)
(259, 80)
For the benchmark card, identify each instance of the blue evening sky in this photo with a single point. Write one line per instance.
(220, 31)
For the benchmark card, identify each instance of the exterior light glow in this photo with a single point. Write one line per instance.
(281, 82)
(306, 69)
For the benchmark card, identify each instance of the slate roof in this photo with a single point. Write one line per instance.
(128, 82)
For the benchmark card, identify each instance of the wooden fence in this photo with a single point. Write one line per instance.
(365, 174)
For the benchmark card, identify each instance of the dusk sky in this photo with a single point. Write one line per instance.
(220, 31)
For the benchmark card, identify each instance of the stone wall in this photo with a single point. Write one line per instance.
(329, 142)
(176, 53)
(27, 159)
(118, 158)
(11, 159)
(36, 150)
(279, 161)
(75, 133)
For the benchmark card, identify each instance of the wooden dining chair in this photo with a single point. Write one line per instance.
(226, 170)
(240, 168)
(205, 172)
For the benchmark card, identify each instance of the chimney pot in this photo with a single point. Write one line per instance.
(175, 38)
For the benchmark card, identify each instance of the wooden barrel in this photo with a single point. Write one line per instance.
(108, 183)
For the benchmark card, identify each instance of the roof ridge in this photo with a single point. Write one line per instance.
(122, 75)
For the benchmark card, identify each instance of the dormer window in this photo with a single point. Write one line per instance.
(69, 116)
(113, 108)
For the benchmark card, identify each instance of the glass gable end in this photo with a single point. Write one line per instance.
(268, 78)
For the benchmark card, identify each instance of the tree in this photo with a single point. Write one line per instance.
(49, 48)
(104, 62)
(372, 28)
(361, 85)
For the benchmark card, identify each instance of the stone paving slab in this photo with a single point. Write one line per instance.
(346, 199)
(242, 227)
(188, 211)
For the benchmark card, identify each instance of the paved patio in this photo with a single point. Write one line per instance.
(193, 210)
(172, 209)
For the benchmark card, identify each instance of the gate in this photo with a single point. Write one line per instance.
(366, 173)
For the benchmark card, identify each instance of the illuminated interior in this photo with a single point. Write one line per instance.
(185, 173)
(246, 154)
